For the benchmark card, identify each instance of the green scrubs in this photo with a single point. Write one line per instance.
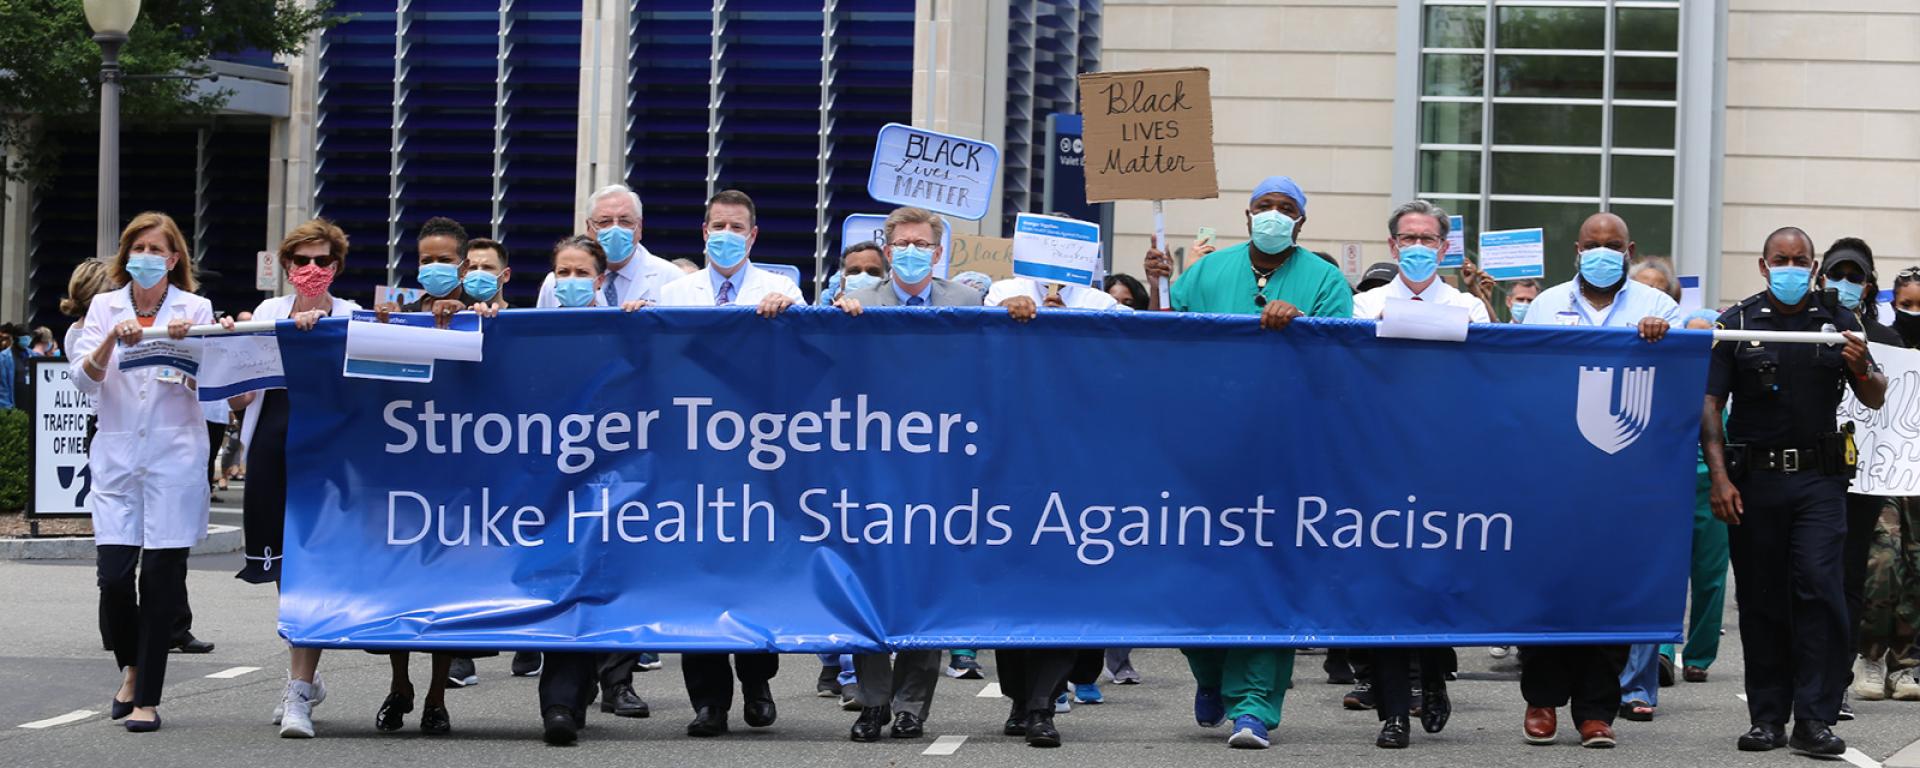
(1254, 681)
(1708, 580)
(1222, 282)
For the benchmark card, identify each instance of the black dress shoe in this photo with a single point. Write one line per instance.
(558, 727)
(391, 718)
(1435, 708)
(1040, 730)
(119, 709)
(907, 725)
(707, 723)
(436, 721)
(187, 643)
(1815, 739)
(759, 711)
(1763, 737)
(867, 728)
(1016, 724)
(623, 702)
(1393, 733)
(526, 663)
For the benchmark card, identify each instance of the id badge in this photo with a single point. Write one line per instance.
(1567, 318)
(170, 375)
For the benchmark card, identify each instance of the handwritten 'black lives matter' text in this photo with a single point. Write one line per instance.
(930, 166)
(1143, 138)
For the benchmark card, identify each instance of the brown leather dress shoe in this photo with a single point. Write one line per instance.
(1595, 734)
(1541, 725)
(1694, 675)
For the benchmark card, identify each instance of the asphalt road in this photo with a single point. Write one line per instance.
(51, 665)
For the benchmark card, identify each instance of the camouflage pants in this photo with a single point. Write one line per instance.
(1892, 609)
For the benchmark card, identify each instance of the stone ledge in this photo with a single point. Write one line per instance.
(220, 539)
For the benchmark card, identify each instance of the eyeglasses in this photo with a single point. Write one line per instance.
(911, 244)
(1426, 240)
(623, 221)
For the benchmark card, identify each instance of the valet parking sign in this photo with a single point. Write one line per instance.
(935, 171)
(60, 477)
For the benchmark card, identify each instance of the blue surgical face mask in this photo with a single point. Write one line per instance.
(833, 288)
(1272, 232)
(726, 249)
(912, 264)
(480, 286)
(439, 279)
(1789, 284)
(1519, 310)
(147, 269)
(619, 244)
(1603, 267)
(573, 291)
(1418, 263)
(861, 281)
(1850, 292)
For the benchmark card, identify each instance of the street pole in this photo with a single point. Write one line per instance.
(108, 235)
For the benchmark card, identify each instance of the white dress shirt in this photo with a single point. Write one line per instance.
(1368, 304)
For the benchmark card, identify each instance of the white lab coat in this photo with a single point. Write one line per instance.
(149, 458)
(1370, 303)
(642, 278)
(280, 308)
(696, 289)
(1074, 296)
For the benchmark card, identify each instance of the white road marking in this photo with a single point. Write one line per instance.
(70, 717)
(989, 691)
(1740, 696)
(1859, 758)
(947, 745)
(229, 674)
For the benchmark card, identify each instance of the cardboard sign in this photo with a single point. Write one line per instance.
(1148, 135)
(1456, 256)
(990, 256)
(935, 171)
(1055, 250)
(872, 227)
(1513, 254)
(61, 478)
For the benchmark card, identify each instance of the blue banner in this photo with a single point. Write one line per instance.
(705, 480)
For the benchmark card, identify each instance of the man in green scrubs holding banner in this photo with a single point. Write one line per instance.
(1273, 277)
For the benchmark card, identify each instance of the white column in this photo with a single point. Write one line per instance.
(16, 220)
(960, 79)
(602, 142)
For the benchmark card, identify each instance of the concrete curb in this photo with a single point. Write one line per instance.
(220, 540)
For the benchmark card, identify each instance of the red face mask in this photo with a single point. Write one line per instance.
(311, 280)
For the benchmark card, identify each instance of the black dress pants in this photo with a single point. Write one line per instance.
(567, 680)
(616, 669)
(710, 677)
(142, 592)
(1393, 683)
(1034, 677)
(1588, 676)
(1789, 585)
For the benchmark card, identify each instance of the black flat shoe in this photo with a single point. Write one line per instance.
(435, 721)
(190, 644)
(1435, 709)
(391, 716)
(1393, 733)
(119, 709)
(149, 726)
(558, 728)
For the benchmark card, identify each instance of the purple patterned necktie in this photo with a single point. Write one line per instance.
(726, 294)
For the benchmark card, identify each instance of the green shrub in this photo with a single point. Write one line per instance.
(14, 434)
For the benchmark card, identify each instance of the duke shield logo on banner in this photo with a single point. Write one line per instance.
(1606, 427)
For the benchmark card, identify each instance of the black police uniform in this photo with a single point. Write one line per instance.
(1791, 466)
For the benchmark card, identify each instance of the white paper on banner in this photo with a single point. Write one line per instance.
(1456, 243)
(1422, 321)
(1889, 438)
(238, 364)
(174, 358)
(1514, 254)
(61, 478)
(386, 294)
(872, 227)
(405, 348)
(1692, 299)
(935, 171)
(1056, 250)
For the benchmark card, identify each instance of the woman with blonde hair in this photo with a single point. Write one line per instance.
(149, 498)
(91, 278)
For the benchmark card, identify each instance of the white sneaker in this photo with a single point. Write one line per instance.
(1500, 651)
(296, 720)
(1870, 679)
(1904, 686)
(319, 695)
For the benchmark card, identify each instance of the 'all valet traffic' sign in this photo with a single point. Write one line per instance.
(936, 171)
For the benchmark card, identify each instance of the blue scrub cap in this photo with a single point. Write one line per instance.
(1282, 184)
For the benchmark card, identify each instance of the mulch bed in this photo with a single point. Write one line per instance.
(13, 525)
